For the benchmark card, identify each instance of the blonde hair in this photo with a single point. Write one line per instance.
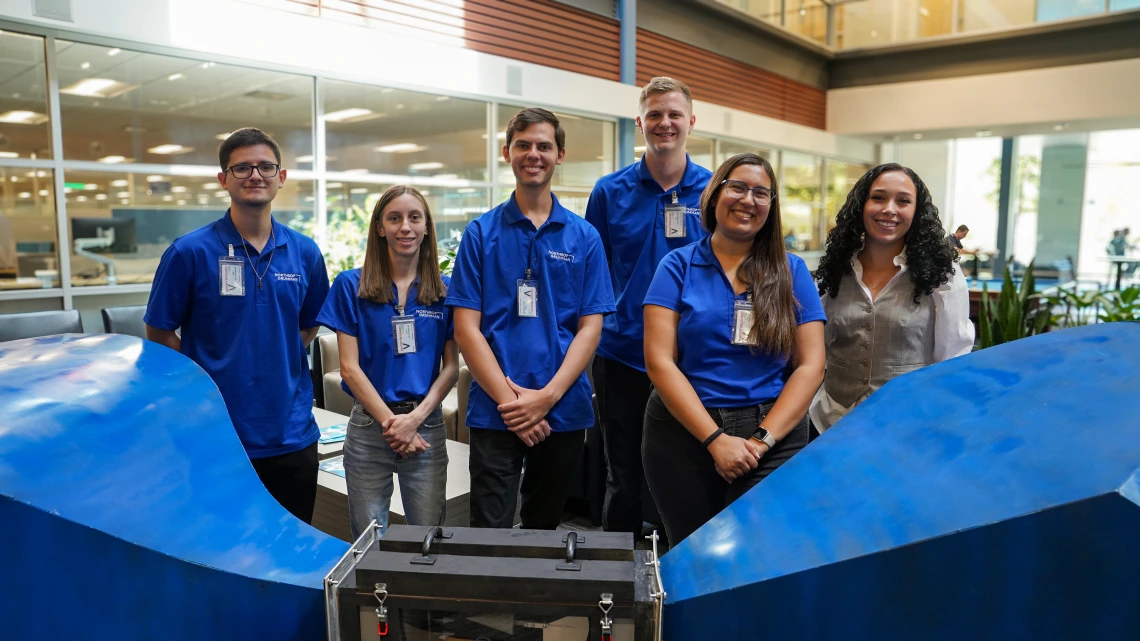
(664, 84)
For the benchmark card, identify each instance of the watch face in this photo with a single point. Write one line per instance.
(760, 434)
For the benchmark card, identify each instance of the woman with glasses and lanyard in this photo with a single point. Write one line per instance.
(895, 299)
(734, 348)
(393, 332)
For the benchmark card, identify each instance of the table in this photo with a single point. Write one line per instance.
(330, 514)
(1120, 262)
(325, 419)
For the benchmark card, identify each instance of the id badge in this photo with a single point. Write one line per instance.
(675, 221)
(742, 322)
(528, 298)
(231, 276)
(404, 334)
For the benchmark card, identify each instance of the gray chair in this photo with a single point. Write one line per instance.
(33, 324)
(125, 320)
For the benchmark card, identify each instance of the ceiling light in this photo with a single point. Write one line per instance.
(175, 76)
(123, 194)
(442, 98)
(918, 136)
(207, 65)
(100, 196)
(446, 176)
(155, 178)
(182, 202)
(121, 183)
(44, 192)
(125, 201)
(803, 12)
(223, 136)
(90, 187)
(25, 194)
(111, 160)
(167, 198)
(639, 148)
(9, 154)
(465, 190)
(359, 190)
(423, 166)
(23, 118)
(134, 130)
(114, 52)
(221, 194)
(98, 88)
(304, 159)
(16, 179)
(346, 115)
(81, 199)
(424, 192)
(334, 185)
(924, 11)
(982, 133)
(1061, 127)
(178, 189)
(401, 148)
(170, 150)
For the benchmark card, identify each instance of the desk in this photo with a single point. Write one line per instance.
(20, 283)
(328, 419)
(330, 514)
(1120, 262)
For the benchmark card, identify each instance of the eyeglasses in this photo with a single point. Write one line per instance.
(266, 170)
(737, 189)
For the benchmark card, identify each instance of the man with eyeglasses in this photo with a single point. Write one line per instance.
(245, 290)
(642, 212)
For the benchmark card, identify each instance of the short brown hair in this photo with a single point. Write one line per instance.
(246, 137)
(664, 84)
(534, 116)
(963, 228)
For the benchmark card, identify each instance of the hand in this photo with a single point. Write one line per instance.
(535, 434)
(529, 408)
(400, 430)
(417, 445)
(733, 456)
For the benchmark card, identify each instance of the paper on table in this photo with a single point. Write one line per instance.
(334, 465)
(333, 434)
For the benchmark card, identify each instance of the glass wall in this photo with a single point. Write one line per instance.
(801, 206)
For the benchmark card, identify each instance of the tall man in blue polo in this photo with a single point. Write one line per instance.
(245, 290)
(642, 212)
(528, 294)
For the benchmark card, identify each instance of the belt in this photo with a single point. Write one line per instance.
(403, 407)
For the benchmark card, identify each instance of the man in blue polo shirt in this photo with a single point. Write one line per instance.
(245, 291)
(528, 294)
(642, 212)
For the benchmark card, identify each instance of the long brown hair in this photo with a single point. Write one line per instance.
(376, 275)
(765, 270)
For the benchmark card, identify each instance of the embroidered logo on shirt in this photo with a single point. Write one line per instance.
(693, 211)
(427, 313)
(560, 256)
(292, 278)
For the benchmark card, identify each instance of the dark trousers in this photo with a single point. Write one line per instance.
(496, 464)
(291, 479)
(681, 473)
(622, 393)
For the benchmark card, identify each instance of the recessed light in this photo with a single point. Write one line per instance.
(167, 198)
(400, 148)
(424, 166)
(181, 202)
(446, 176)
(81, 199)
(123, 194)
(100, 196)
(207, 65)
(44, 192)
(304, 159)
(223, 136)
(178, 189)
(98, 88)
(114, 52)
(121, 183)
(170, 150)
(90, 187)
(442, 98)
(125, 201)
(9, 154)
(1061, 127)
(918, 136)
(112, 160)
(175, 76)
(349, 115)
(221, 194)
(639, 148)
(982, 133)
(155, 178)
(355, 171)
(85, 66)
(359, 190)
(335, 185)
(23, 118)
(25, 194)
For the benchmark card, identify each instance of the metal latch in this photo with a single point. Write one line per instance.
(605, 605)
(381, 594)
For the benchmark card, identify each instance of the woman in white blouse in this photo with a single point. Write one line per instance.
(894, 297)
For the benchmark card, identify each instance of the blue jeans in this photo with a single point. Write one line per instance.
(369, 464)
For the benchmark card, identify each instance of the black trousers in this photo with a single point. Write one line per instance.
(291, 479)
(622, 393)
(681, 473)
(496, 464)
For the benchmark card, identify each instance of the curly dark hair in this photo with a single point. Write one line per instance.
(930, 257)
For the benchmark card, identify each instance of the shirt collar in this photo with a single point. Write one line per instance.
(857, 267)
(691, 177)
(703, 253)
(514, 214)
(229, 233)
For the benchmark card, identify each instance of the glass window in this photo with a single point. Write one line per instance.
(125, 222)
(729, 148)
(120, 106)
(976, 15)
(378, 130)
(1112, 189)
(767, 10)
(976, 185)
(24, 121)
(589, 156)
(350, 208)
(841, 178)
(800, 201)
(28, 258)
(807, 18)
(700, 151)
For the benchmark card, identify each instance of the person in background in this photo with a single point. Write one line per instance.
(245, 290)
(528, 293)
(957, 237)
(642, 212)
(398, 360)
(895, 298)
(734, 348)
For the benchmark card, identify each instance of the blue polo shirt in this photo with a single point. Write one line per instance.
(250, 345)
(628, 209)
(570, 268)
(691, 282)
(396, 377)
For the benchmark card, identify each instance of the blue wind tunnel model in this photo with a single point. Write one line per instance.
(994, 496)
(128, 507)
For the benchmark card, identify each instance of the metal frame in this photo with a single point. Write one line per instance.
(343, 567)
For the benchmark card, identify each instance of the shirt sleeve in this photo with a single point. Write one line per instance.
(339, 312)
(665, 288)
(170, 293)
(318, 290)
(810, 306)
(596, 215)
(598, 292)
(953, 330)
(467, 278)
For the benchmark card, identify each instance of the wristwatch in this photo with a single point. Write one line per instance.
(764, 437)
